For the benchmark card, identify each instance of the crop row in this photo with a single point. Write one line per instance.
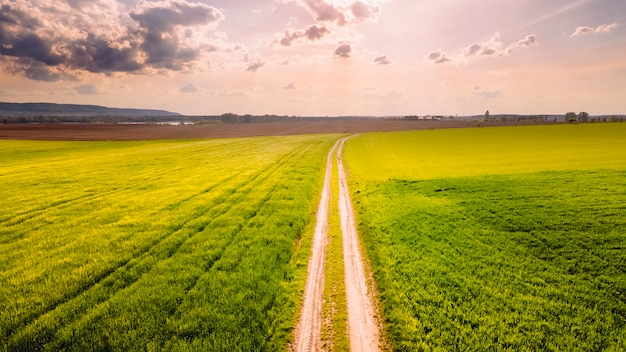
(157, 245)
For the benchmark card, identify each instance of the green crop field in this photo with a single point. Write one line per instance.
(160, 245)
(509, 238)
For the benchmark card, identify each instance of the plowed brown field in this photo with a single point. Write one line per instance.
(97, 131)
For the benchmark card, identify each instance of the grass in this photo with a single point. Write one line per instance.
(335, 309)
(502, 238)
(161, 245)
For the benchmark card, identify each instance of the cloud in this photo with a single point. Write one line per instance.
(582, 30)
(189, 88)
(363, 12)
(492, 47)
(438, 57)
(290, 86)
(86, 89)
(530, 40)
(47, 42)
(343, 51)
(487, 94)
(605, 28)
(312, 33)
(341, 15)
(159, 20)
(382, 60)
(255, 66)
(41, 72)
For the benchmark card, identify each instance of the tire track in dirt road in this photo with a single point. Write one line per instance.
(362, 325)
(308, 331)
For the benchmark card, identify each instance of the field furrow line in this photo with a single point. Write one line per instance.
(63, 204)
(309, 326)
(108, 277)
(25, 215)
(248, 216)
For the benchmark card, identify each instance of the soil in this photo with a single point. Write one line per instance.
(363, 325)
(308, 331)
(95, 131)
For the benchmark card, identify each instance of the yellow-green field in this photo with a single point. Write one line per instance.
(509, 238)
(160, 245)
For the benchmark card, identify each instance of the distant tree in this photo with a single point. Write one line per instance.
(571, 117)
(583, 117)
(486, 117)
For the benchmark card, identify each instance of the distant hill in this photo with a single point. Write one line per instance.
(50, 109)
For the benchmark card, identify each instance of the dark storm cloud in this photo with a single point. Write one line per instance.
(31, 46)
(164, 51)
(164, 16)
(40, 72)
(156, 35)
(97, 55)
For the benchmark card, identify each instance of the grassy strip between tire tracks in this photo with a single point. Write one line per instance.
(335, 328)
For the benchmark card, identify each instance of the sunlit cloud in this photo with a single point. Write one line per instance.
(47, 46)
(492, 47)
(341, 14)
(605, 28)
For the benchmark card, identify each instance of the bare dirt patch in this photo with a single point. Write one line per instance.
(121, 132)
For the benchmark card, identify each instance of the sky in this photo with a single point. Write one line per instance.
(318, 57)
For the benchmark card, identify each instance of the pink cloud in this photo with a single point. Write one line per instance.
(327, 11)
(343, 51)
(382, 60)
(493, 47)
(255, 66)
(438, 57)
(583, 30)
(149, 37)
(312, 33)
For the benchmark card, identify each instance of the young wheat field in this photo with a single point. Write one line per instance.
(509, 238)
(159, 245)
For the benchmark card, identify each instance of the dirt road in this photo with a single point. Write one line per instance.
(309, 326)
(362, 326)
